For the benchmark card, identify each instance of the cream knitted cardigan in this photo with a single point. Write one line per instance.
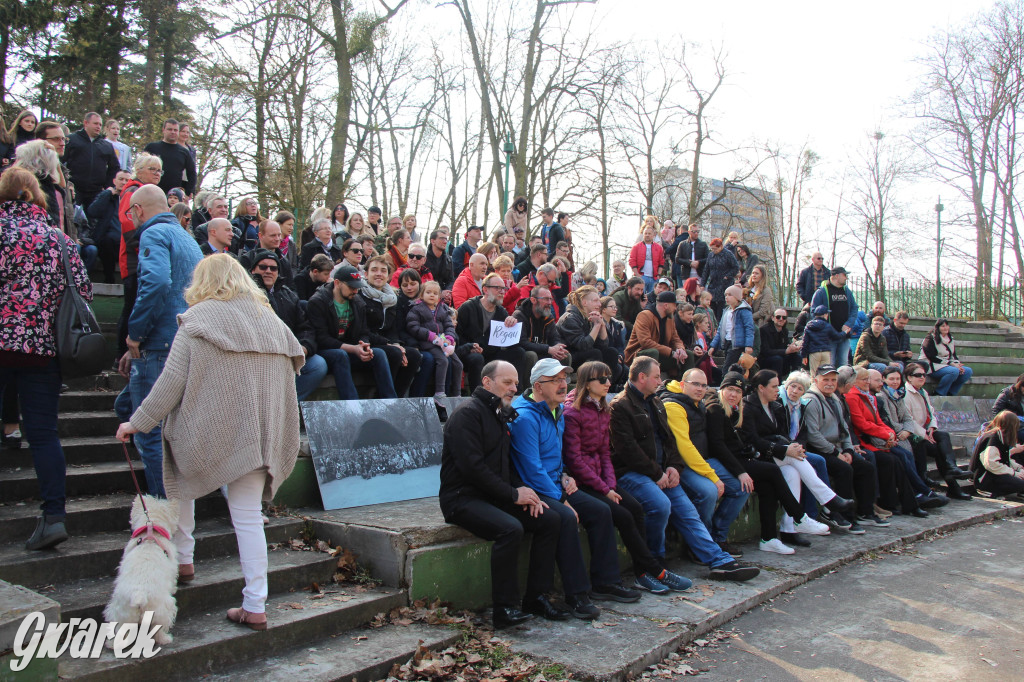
(226, 397)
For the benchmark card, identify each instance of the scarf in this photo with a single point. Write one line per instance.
(386, 296)
(895, 394)
(400, 260)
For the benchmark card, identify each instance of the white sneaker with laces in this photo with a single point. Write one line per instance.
(775, 545)
(811, 527)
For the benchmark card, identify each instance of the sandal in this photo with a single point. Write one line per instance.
(186, 573)
(243, 617)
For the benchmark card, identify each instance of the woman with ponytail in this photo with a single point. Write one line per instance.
(397, 250)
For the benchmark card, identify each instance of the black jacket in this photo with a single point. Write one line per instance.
(725, 442)
(773, 341)
(286, 304)
(179, 166)
(474, 323)
(769, 437)
(538, 335)
(441, 268)
(312, 248)
(1008, 400)
(575, 329)
(380, 323)
(93, 164)
(324, 320)
(284, 268)
(686, 251)
(304, 286)
(475, 457)
(103, 219)
(632, 436)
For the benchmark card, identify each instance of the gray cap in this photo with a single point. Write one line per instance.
(548, 367)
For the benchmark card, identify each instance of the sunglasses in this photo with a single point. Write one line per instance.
(780, 317)
(917, 374)
(270, 268)
(356, 250)
(416, 256)
(604, 380)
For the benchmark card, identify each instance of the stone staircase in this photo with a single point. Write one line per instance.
(79, 574)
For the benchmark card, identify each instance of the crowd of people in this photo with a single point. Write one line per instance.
(512, 320)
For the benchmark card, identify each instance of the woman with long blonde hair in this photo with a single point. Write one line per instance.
(229, 343)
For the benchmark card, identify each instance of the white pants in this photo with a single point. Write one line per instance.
(797, 471)
(245, 504)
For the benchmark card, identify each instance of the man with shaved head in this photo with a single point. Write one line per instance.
(218, 237)
(167, 257)
(470, 281)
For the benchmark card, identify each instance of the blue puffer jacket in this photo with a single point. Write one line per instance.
(167, 257)
(819, 336)
(537, 445)
(742, 328)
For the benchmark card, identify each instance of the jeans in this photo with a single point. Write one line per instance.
(340, 363)
(38, 392)
(906, 455)
(949, 380)
(131, 289)
(841, 352)
(313, 372)
(245, 504)
(145, 371)
(649, 283)
(88, 254)
(877, 365)
(704, 494)
(672, 505)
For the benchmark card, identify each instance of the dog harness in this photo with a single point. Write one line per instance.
(146, 534)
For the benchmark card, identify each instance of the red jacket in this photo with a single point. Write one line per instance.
(638, 254)
(465, 288)
(128, 258)
(866, 422)
(425, 276)
(586, 445)
(512, 296)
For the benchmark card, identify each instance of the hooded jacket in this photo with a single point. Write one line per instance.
(628, 307)
(866, 420)
(895, 341)
(425, 325)
(819, 337)
(824, 430)
(167, 257)
(743, 328)
(586, 444)
(537, 445)
(246, 417)
(538, 334)
(821, 297)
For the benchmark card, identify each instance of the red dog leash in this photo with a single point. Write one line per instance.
(146, 532)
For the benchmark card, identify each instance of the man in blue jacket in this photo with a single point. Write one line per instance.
(537, 457)
(842, 307)
(167, 257)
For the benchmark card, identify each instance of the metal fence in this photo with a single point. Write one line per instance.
(960, 300)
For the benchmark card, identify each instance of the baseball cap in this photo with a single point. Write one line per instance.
(666, 281)
(474, 227)
(350, 276)
(548, 367)
(820, 310)
(667, 297)
(826, 369)
(839, 271)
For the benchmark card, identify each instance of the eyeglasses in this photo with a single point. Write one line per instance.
(57, 139)
(493, 286)
(556, 380)
(694, 383)
(780, 317)
(917, 375)
(416, 256)
(267, 268)
(156, 171)
(604, 380)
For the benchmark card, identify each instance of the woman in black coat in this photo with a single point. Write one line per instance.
(385, 326)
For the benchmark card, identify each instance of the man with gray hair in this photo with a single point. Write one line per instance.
(91, 160)
(216, 207)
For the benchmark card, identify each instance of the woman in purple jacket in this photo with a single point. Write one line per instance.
(586, 449)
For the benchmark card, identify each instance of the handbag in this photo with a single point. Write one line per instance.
(81, 348)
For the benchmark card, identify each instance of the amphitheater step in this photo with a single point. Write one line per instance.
(82, 479)
(83, 450)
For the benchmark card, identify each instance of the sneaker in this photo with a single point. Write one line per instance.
(648, 583)
(874, 520)
(580, 606)
(793, 540)
(732, 550)
(836, 521)
(775, 545)
(809, 526)
(12, 440)
(734, 571)
(617, 593)
(676, 583)
(855, 529)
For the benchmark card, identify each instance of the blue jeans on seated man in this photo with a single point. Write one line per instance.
(144, 373)
(38, 394)
(672, 505)
(703, 493)
(341, 363)
(949, 380)
(88, 254)
(313, 372)
(810, 504)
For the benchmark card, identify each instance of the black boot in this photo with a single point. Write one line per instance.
(507, 616)
(954, 491)
(839, 505)
(49, 532)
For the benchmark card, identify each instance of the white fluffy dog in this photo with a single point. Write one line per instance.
(148, 575)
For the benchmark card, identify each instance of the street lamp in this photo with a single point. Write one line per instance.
(510, 149)
(938, 258)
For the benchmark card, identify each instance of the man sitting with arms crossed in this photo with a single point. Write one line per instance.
(537, 456)
(648, 467)
(481, 493)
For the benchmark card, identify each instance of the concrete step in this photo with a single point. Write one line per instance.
(208, 642)
(82, 479)
(918, 332)
(108, 380)
(84, 450)
(86, 401)
(218, 583)
(98, 554)
(993, 365)
(83, 424)
(363, 655)
(98, 514)
(1002, 349)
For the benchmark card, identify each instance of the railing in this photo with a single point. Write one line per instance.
(960, 300)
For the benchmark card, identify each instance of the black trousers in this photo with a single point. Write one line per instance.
(596, 517)
(628, 518)
(108, 249)
(402, 376)
(609, 356)
(782, 365)
(894, 489)
(473, 364)
(569, 553)
(772, 490)
(504, 525)
(857, 480)
(1000, 484)
(131, 290)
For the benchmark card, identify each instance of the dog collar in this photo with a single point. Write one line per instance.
(148, 531)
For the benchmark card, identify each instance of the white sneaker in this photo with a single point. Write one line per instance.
(809, 526)
(775, 545)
